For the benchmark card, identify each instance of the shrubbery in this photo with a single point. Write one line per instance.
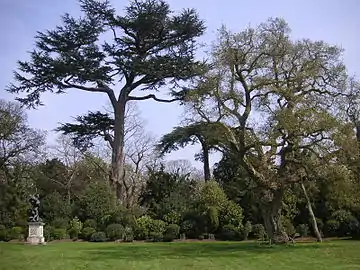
(115, 232)
(302, 230)
(87, 232)
(75, 227)
(2, 233)
(98, 237)
(259, 232)
(60, 234)
(229, 232)
(15, 233)
(128, 234)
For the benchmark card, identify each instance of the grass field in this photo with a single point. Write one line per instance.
(192, 255)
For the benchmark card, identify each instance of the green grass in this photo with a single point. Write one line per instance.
(192, 255)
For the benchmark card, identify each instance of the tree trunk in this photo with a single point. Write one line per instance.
(312, 215)
(117, 161)
(271, 215)
(207, 174)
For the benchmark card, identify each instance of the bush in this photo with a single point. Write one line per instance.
(229, 232)
(98, 237)
(75, 227)
(231, 214)
(128, 234)
(2, 233)
(168, 238)
(156, 236)
(60, 234)
(157, 226)
(173, 230)
(332, 227)
(90, 223)
(201, 237)
(303, 230)
(247, 230)
(259, 232)
(188, 227)
(15, 233)
(145, 225)
(60, 223)
(115, 232)
(348, 224)
(49, 233)
(288, 226)
(86, 233)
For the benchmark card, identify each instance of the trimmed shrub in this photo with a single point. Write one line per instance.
(115, 232)
(168, 238)
(49, 233)
(128, 234)
(303, 230)
(86, 233)
(75, 226)
(229, 232)
(156, 236)
(60, 234)
(90, 223)
(2, 233)
(98, 237)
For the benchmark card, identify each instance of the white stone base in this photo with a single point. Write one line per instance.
(36, 233)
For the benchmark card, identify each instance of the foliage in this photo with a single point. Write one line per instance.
(87, 232)
(288, 226)
(48, 233)
(247, 229)
(15, 233)
(60, 223)
(156, 236)
(60, 234)
(348, 224)
(2, 232)
(302, 230)
(172, 231)
(115, 232)
(332, 227)
(75, 227)
(98, 237)
(259, 232)
(128, 234)
(90, 223)
(229, 232)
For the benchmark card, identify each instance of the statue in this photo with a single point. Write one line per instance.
(34, 211)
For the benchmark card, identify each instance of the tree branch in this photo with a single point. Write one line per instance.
(152, 96)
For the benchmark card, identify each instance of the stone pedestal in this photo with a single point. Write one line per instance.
(36, 233)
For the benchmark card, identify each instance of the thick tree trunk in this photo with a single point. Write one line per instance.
(271, 215)
(312, 215)
(117, 164)
(207, 174)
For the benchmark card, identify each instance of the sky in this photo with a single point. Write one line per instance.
(334, 21)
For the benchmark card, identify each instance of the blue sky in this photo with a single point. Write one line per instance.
(334, 21)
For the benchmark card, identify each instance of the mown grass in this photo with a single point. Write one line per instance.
(192, 255)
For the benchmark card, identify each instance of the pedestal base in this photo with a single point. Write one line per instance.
(36, 233)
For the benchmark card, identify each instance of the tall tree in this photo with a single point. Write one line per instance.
(147, 47)
(276, 93)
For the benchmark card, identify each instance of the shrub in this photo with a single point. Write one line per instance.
(98, 237)
(332, 227)
(188, 227)
(49, 233)
(303, 230)
(348, 224)
(115, 232)
(247, 230)
(75, 227)
(173, 230)
(90, 223)
(168, 238)
(15, 233)
(86, 233)
(172, 217)
(156, 236)
(60, 223)
(157, 226)
(288, 226)
(2, 232)
(201, 237)
(60, 233)
(259, 231)
(229, 232)
(231, 213)
(128, 234)
(145, 225)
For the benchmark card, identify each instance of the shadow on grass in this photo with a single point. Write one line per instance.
(185, 250)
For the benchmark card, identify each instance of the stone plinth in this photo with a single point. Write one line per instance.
(36, 233)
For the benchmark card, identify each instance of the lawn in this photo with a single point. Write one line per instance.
(191, 255)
